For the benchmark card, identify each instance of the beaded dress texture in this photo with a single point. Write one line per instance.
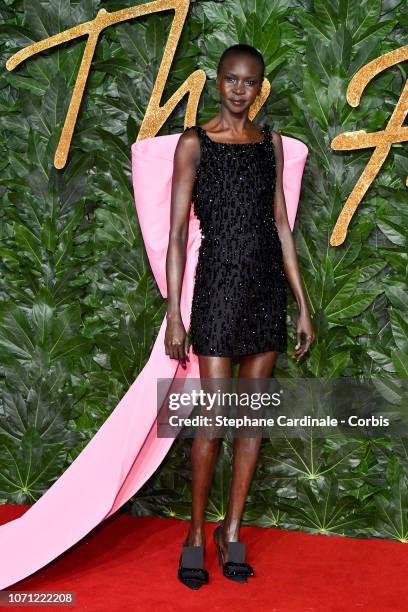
(239, 298)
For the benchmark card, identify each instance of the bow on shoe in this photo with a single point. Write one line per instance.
(198, 574)
(233, 568)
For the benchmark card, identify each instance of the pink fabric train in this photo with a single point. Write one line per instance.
(125, 451)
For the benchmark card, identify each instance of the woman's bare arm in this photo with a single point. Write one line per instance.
(290, 260)
(186, 160)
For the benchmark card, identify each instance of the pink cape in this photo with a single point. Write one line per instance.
(125, 451)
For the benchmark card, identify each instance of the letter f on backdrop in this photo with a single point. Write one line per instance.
(382, 141)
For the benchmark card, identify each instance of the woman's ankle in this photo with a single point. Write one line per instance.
(195, 536)
(230, 533)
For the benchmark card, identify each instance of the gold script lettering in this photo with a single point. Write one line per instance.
(155, 115)
(382, 140)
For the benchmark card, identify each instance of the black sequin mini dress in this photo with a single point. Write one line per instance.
(239, 299)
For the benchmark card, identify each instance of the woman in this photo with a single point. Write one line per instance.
(232, 170)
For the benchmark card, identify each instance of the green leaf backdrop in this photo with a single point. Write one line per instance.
(79, 306)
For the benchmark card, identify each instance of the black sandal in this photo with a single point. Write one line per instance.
(235, 568)
(191, 570)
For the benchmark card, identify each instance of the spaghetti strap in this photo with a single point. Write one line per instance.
(267, 132)
(197, 128)
(199, 131)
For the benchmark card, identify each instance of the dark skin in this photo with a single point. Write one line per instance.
(240, 78)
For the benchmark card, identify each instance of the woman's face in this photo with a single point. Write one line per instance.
(239, 82)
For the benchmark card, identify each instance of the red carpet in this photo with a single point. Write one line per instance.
(130, 563)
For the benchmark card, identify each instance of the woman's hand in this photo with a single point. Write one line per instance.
(304, 333)
(175, 341)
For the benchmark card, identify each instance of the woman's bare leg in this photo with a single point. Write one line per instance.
(204, 454)
(246, 451)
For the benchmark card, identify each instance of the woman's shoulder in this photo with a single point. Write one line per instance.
(188, 146)
(190, 136)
